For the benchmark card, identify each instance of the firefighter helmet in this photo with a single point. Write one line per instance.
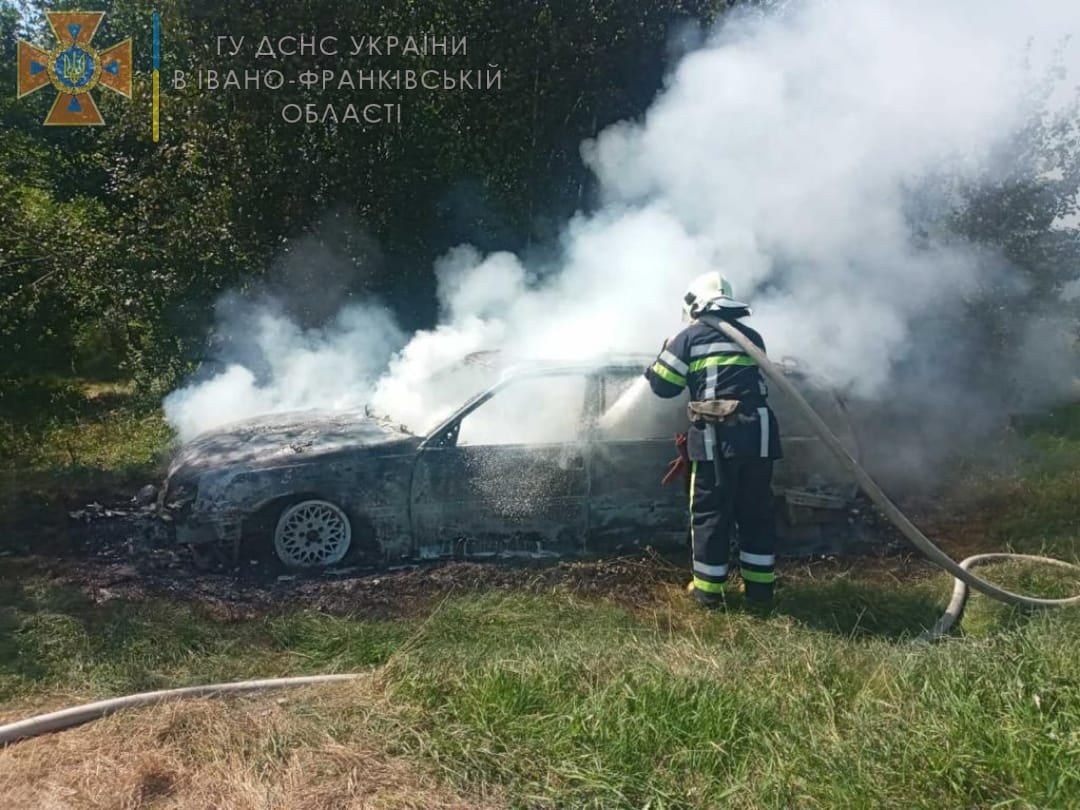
(709, 291)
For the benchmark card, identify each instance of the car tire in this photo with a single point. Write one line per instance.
(312, 533)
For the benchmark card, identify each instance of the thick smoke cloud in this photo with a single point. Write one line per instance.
(784, 151)
(273, 365)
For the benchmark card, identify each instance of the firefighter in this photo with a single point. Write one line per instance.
(731, 443)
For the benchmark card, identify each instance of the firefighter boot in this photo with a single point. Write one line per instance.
(704, 598)
(758, 597)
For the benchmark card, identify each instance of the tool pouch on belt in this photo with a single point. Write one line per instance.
(714, 411)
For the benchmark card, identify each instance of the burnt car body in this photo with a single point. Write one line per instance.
(549, 460)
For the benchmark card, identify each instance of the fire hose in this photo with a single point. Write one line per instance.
(77, 715)
(963, 577)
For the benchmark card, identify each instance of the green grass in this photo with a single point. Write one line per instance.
(66, 442)
(575, 705)
(1035, 511)
(78, 428)
(572, 703)
(53, 638)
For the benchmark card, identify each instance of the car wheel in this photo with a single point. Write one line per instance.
(312, 534)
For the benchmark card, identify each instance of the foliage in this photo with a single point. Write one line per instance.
(115, 248)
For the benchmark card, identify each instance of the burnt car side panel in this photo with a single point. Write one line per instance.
(628, 506)
(632, 445)
(499, 499)
(506, 474)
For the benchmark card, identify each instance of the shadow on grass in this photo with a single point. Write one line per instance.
(1063, 423)
(35, 506)
(856, 609)
(36, 401)
(52, 634)
(25, 650)
(76, 433)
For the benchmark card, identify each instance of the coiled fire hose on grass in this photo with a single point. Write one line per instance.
(960, 570)
(66, 718)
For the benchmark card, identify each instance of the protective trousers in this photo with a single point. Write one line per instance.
(727, 494)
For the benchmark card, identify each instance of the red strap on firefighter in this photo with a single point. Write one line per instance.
(680, 465)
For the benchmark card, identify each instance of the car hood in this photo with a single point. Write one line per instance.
(283, 438)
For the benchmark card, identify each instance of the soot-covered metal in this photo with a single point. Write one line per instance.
(548, 460)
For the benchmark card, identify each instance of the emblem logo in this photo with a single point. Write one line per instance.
(74, 68)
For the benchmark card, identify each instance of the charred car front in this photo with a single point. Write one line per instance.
(549, 460)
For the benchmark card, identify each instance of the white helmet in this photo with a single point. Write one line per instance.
(709, 291)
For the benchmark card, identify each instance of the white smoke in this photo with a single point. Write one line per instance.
(780, 152)
(331, 367)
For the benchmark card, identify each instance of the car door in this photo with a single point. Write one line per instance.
(507, 474)
(632, 444)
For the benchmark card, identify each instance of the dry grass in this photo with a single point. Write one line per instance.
(263, 753)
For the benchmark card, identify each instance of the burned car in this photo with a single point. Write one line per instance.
(547, 460)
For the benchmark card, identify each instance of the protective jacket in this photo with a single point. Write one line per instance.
(716, 370)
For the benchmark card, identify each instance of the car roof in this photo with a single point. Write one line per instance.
(628, 362)
(607, 362)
